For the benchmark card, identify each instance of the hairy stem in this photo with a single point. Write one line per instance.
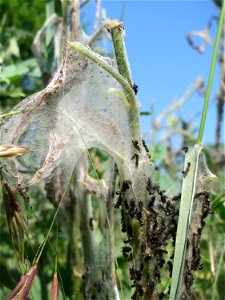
(116, 30)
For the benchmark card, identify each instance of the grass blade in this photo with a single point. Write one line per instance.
(218, 288)
(211, 74)
(197, 180)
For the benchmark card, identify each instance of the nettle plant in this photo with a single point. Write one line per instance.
(91, 103)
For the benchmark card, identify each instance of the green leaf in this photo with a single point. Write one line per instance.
(218, 200)
(218, 204)
(13, 47)
(14, 72)
(145, 113)
(197, 178)
(218, 286)
(158, 152)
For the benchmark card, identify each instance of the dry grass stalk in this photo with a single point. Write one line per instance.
(10, 151)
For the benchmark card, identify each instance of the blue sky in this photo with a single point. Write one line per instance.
(162, 62)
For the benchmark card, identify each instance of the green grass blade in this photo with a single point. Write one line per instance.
(211, 74)
(10, 114)
(188, 193)
(197, 180)
(218, 288)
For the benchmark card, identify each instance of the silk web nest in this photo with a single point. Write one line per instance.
(75, 112)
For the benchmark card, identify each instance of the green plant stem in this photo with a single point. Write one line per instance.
(84, 3)
(50, 9)
(96, 36)
(116, 30)
(135, 135)
(73, 261)
(211, 74)
(41, 248)
(188, 192)
(10, 114)
(132, 110)
(219, 270)
(56, 264)
(23, 258)
(75, 21)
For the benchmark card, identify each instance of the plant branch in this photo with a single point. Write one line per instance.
(9, 114)
(84, 3)
(50, 10)
(115, 28)
(96, 36)
(75, 21)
